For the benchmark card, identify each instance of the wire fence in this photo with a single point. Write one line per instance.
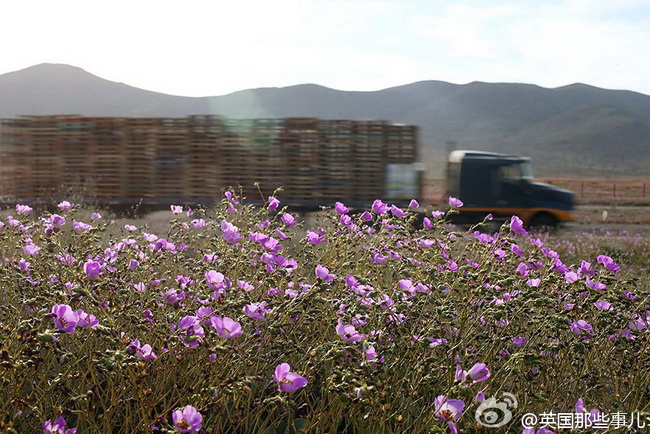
(607, 191)
(587, 191)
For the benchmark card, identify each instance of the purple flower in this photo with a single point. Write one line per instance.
(214, 279)
(231, 197)
(245, 285)
(351, 281)
(288, 219)
(533, 283)
(348, 333)
(65, 205)
(191, 331)
(627, 334)
(603, 305)
(257, 237)
(187, 420)
(379, 207)
(516, 250)
(456, 203)
(377, 258)
(637, 324)
(366, 216)
(65, 319)
(560, 267)
(449, 410)
(273, 203)
(256, 310)
(478, 372)
(414, 204)
(23, 265)
(226, 327)
(172, 296)
(347, 221)
(517, 226)
(608, 263)
(371, 354)
(56, 221)
(142, 352)
(518, 341)
(314, 238)
(522, 269)
(176, 209)
(31, 249)
(459, 374)
(552, 254)
(578, 327)
(536, 242)
(436, 342)
(85, 320)
(596, 286)
(148, 315)
(80, 227)
(288, 381)
(58, 427)
(580, 408)
(198, 223)
(230, 232)
(407, 286)
(397, 212)
(585, 268)
(23, 209)
(92, 269)
(323, 273)
(570, 276)
(340, 208)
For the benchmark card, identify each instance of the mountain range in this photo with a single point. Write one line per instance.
(570, 131)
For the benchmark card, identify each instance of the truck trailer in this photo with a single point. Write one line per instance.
(163, 161)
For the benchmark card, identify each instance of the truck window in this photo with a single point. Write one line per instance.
(516, 173)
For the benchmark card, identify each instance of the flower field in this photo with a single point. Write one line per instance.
(246, 319)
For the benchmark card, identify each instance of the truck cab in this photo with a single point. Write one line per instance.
(503, 185)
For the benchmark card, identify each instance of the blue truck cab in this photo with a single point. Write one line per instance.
(503, 185)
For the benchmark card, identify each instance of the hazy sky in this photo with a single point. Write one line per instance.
(214, 47)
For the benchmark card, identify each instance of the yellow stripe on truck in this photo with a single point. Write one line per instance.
(525, 214)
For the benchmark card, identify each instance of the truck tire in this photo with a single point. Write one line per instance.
(543, 221)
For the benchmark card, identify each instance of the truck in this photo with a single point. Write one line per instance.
(503, 185)
(157, 162)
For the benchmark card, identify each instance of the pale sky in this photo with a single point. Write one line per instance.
(215, 47)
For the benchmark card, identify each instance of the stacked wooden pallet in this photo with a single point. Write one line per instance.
(204, 153)
(336, 163)
(369, 146)
(194, 158)
(300, 151)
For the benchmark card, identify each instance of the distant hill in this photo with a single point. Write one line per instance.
(576, 130)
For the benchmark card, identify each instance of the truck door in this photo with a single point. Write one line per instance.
(513, 187)
(479, 183)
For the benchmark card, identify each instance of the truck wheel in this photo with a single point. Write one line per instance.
(543, 221)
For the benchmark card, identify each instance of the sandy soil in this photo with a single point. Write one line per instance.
(613, 214)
